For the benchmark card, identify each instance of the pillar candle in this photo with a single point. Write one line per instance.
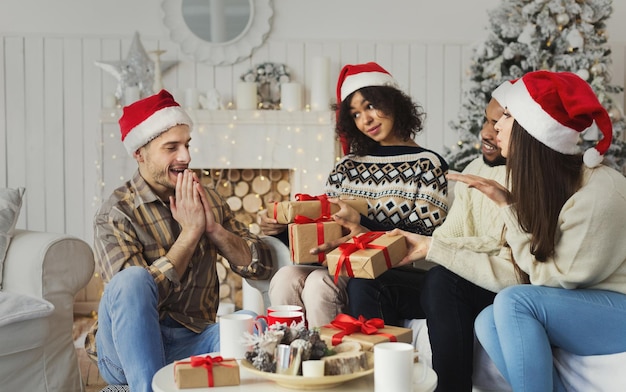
(320, 90)
(290, 96)
(246, 96)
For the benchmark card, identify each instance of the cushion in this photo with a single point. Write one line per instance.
(18, 307)
(10, 204)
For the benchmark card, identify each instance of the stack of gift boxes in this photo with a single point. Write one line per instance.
(310, 224)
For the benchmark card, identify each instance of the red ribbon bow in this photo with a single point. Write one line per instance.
(349, 325)
(359, 242)
(323, 199)
(207, 362)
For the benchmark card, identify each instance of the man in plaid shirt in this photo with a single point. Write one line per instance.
(157, 238)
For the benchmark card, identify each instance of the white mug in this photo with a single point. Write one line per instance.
(393, 367)
(233, 328)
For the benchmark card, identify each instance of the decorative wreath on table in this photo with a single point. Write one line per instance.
(268, 77)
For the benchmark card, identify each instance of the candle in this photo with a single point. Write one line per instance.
(313, 368)
(290, 96)
(246, 96)
(320, 89)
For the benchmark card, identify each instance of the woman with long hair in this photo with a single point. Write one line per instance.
(565, 216)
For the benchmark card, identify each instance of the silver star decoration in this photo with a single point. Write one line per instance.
(136, 70)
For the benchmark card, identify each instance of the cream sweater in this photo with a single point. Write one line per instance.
(591, 248)
(469, 243)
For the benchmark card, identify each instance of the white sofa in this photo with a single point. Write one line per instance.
(602, 373)
(42, 274)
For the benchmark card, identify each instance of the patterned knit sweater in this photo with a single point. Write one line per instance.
(405, 187)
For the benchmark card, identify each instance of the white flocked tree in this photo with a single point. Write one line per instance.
(529, 35)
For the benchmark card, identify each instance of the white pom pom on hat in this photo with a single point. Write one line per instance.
(555, 107)
(147, 118)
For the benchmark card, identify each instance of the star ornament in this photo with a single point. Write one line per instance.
(137, 69)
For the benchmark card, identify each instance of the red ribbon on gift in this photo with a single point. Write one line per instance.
(207, 362)
(301, 219)
(349, 325)
(323, 199)
(360, 242)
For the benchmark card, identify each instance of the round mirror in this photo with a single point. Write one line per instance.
(217, 21)
(218, 32)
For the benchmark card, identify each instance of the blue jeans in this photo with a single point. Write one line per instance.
(393, 296)
(132, 343)
(519, 330)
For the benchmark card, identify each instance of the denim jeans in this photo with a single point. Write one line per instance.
(519, 330)
(132, 343)
(393, 296)
(452, 304)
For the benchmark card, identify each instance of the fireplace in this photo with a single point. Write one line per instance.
(250, 157)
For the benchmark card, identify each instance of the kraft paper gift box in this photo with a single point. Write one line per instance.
(366, 256)
(304, 236)
(312, 207)
(206, 371)
(367, 333)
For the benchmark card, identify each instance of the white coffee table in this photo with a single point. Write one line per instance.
(163, 381)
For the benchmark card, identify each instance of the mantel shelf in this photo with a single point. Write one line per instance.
(302, 141)
(277, 117)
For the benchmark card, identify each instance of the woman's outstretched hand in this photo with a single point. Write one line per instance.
(490, 188)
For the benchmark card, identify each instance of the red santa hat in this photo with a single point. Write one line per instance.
(147, 118)
(555, 107)
(356, 76)
(353, 77)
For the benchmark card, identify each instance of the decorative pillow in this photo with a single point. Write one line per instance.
(10, 204)
(17, 307)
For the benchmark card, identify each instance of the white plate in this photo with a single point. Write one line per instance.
(301, 382)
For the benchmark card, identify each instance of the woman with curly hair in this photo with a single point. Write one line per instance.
(403, 183)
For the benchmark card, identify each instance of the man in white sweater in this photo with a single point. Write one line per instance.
(464, 281)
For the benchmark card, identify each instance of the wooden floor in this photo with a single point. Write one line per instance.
(88, 369)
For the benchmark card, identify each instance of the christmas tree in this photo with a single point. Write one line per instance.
(529, 35)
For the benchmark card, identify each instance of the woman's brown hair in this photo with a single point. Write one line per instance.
(541, 181)
(408, 117)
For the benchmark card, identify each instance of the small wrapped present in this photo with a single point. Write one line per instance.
(304, 236)
(367, 255)
(367, 333)
(206, 371)
(313, 207)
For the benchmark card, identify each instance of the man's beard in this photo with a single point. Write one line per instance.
(499, 161)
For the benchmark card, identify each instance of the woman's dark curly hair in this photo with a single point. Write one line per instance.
(408, 117)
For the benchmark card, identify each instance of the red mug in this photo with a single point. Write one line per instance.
(290, 318)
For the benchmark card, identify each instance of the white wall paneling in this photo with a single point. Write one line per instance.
(53, 93)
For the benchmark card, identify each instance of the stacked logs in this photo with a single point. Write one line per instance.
(247, 191)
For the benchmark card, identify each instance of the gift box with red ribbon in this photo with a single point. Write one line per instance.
(313, 207)
(366, 332)
(206, 371)
(306, 234)
(367, 255)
